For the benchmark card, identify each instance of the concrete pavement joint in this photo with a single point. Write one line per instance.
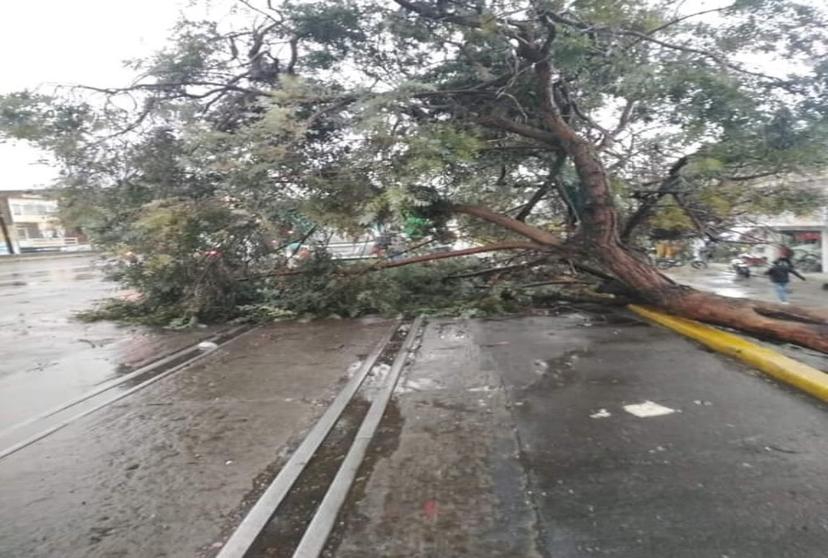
(792, 372)
(320, 527)
(263, 510)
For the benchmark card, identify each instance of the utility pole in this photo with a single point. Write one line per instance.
(6, 236)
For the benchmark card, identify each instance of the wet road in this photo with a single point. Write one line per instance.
(719, 279)
(168, 470)
(569, 435)
(48, 357)
(541, 436)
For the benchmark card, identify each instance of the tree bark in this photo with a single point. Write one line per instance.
(599, 236)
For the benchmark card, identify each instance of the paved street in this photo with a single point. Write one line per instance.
(719, 279)
(48, 356)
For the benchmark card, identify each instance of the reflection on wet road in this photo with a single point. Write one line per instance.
(48, 357)
(720, 280)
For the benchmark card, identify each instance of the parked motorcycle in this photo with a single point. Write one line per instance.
(699, 263)
(740, 268)
(667, 263)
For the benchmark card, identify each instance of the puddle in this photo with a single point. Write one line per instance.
(560, 372)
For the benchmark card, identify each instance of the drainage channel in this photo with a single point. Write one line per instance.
(26, 433)
(295, 515)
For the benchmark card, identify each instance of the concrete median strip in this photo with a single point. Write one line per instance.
(785, 369)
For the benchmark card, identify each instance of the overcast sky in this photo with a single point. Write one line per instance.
(48, 42)
(71, 41)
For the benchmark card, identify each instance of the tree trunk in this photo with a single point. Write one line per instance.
(599, 237)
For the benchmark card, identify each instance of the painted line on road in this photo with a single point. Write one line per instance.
(320, 527)
(262, 511)
(40, 435)
(783, 368)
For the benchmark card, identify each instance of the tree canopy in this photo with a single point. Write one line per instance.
(501, 116)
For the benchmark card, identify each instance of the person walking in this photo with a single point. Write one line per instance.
(780, 277)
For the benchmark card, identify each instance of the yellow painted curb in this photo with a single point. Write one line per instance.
(788, 370)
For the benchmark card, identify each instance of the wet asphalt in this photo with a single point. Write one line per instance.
(515, 441)
(809, 294)
(48, 356)
(718, 278)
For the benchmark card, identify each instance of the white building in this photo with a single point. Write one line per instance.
(807, 235)
(29, 223)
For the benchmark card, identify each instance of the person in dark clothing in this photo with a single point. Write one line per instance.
(780, 277)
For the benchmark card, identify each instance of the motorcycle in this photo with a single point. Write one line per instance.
(667, 263)
(699, 263)
(740, 268)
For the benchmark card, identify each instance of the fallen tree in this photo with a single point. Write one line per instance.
(354, 114)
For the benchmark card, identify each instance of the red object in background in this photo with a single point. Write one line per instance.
(431, 509)
(753, 260)
(807, 235)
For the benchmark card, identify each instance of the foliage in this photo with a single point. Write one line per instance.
(321, 288)
(354, 116)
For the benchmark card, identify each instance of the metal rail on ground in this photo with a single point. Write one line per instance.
(146, 369)
(262, 511)
(320, 527)
(62, 424)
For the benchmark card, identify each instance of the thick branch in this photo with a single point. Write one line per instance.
(539, 194)
(546, 138)
(699, 226)
(528, 231)
(647, 205)
(497, 246)
(494, 270)
(494, 247)
(543, 190)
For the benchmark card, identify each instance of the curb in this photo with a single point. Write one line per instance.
(14, 258)
(792, 372)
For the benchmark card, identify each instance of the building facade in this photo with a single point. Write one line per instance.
(806, 235)
(29, 223)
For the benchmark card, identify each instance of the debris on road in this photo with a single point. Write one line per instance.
(648, 409)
